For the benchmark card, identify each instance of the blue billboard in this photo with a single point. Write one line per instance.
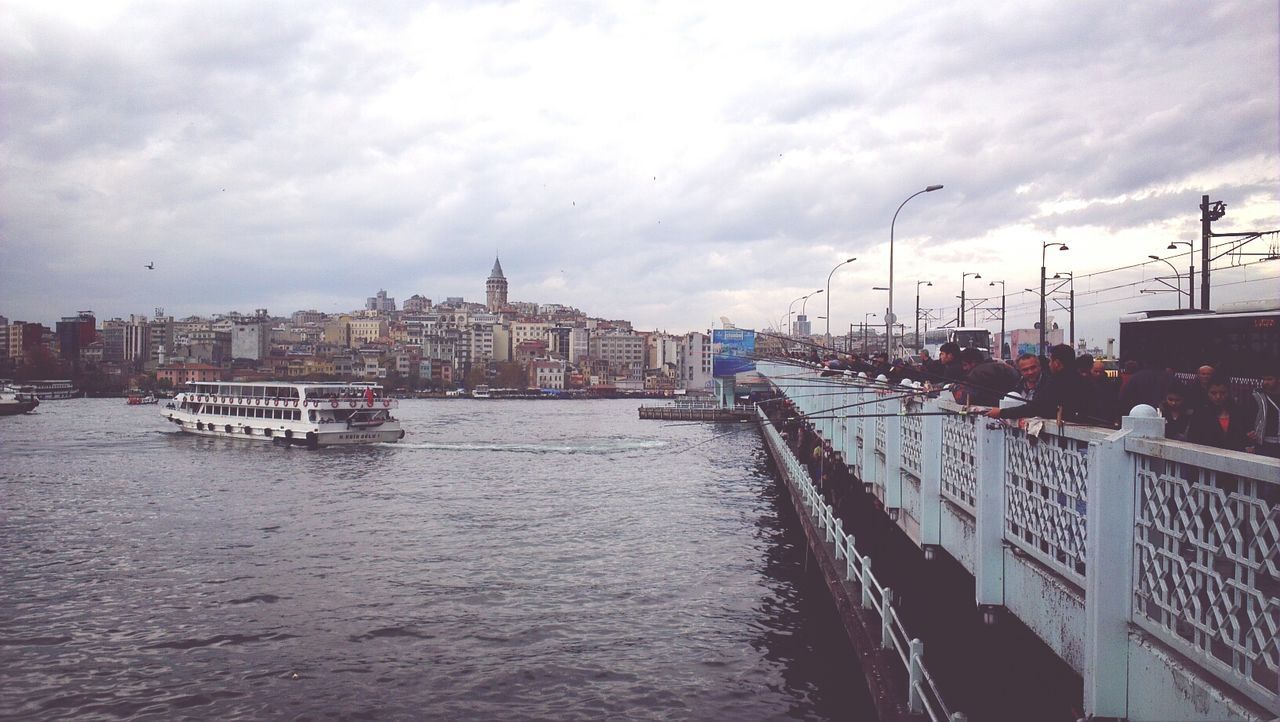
(734, 351)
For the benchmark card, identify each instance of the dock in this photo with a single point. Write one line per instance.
(697, 412)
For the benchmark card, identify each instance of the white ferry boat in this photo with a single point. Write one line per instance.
(482, 392)
(305, 414)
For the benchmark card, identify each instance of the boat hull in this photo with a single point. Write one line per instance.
(293, 434)
(13, 408)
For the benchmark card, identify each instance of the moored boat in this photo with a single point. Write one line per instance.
(17, 400)
(304, 414)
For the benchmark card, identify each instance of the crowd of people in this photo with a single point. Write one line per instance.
(1206, 410)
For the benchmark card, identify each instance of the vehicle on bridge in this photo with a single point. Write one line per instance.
(1241, 340)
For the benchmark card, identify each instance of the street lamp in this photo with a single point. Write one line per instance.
(888, 315)
(963, 276)
(790, 328)
(1072, 316)
(1000, 347)
(865, 318)
(1043, 248)
(829, 275)
(1191, 270)
(1177, 277)
(805, 301)
(919, 343)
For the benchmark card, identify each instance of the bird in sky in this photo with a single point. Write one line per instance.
(151, 266)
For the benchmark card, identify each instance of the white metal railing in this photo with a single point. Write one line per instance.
(923, 694)
(1207, 560)
(1201, 527)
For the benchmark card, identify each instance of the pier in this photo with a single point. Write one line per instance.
(698, 412)
(1146, 570)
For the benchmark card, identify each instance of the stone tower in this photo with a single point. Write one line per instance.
(495, 288)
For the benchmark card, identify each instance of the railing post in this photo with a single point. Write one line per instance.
(868, 439)
(915, 678)
(930, 480)
(865, 582)
(988, 543)
(1112, 489)
(886, 619)
(893, 457)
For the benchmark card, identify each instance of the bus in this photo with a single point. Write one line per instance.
(964, 337)
(1241, 341)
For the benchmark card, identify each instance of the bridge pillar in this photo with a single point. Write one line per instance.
(893, 457)
(869, 439)
(989, 515)
(725, 392)
(930, 484)
(1112, 488)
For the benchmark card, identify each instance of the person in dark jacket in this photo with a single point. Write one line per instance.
(1062, 391)
(985, 382)
(949, 359)
(1222, 423)
(1177, 417)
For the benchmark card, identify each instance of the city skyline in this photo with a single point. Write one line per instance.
(668, 165)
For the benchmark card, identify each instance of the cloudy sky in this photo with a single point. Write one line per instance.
(668, 163)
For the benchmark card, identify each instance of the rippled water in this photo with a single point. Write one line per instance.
(509, 560)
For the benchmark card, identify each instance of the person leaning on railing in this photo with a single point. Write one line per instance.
(1061, 391)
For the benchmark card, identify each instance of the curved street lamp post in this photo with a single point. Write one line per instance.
(1191, 270)
(1000, 346)
(829, 275)
(888, 316)
(1072, 304)
(1040, 350)
(919, 342)
(1177, 277)
(805, 302)
(963, 276)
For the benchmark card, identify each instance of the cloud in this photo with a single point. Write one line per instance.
(663, 163)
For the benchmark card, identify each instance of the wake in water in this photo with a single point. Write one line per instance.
(589, 446)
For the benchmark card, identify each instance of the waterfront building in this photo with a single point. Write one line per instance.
(547, 374)
(4, 340)
(495, 288)
(180, 374)
(623, 352)
(74, 333)
(694, 361)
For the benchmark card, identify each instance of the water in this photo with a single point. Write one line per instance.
(509, 560)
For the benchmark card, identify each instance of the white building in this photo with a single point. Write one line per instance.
(695, 361)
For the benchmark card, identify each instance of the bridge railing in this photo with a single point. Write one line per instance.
(923, 696)
(1207, 559)
(1195, 529)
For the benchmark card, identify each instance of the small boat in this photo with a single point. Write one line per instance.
(482, 392)
(138, 398)
(17, 400)
(302, 414)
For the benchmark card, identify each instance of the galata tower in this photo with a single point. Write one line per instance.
(495, 288)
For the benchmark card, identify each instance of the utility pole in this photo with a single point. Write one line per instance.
(1206, 233)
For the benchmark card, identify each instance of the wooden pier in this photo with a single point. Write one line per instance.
(700, 412)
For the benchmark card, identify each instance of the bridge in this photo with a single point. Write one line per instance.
(1150, 567)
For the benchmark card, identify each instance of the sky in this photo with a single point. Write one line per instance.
(669, 163)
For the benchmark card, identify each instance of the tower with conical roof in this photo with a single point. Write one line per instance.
(495, 288)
